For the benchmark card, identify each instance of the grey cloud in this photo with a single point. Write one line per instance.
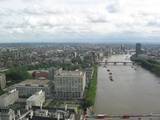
(6, 12)
(113, 6)
(41, 11)
(19, 20)
(154, 23)
(32, 12)
(97, 19)
(28, 25)
(112, 9)
(29, 11)
(14, 25)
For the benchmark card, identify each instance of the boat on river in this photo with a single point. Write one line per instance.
(110, 78)
(110, 73)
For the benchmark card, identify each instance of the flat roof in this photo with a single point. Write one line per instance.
(6, 94)
(34, 81)
(31, 71)
(69, 73)
(35, 96)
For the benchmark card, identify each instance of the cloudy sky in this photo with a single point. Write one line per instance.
(79, 20)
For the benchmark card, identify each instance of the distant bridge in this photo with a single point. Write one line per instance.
(116, 62)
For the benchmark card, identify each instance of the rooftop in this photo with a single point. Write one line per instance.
(68, 73)
(31, 71)
(34, 82)
(35, 96)
(7, 93)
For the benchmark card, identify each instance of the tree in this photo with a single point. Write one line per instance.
(17, 74)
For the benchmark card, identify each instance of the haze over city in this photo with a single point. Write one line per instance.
(80, 21)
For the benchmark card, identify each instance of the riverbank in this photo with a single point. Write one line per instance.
(91, 91)
(149, 64)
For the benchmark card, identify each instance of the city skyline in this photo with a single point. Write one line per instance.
(65, 80)
(80, 21)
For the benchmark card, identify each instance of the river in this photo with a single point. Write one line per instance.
(133, 89)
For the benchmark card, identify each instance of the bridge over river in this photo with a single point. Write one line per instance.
(132, 91)
(116, 63)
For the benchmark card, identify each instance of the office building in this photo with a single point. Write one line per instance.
(69, 84)
(51, 74)
(8, 98)
(7, 114)
(29, 87)
(138, 49)
(89, 73)
(37, 99)
(2, 81)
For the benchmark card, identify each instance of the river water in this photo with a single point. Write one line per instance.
(133, 89)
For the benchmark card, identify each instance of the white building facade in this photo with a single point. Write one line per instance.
(2, 81)
(69, 84)
(29, 87)
(9, 98)
(37, 99)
